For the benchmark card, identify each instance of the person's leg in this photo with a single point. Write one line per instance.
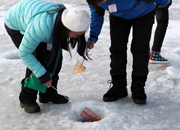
(16, 38)
(162, 17)
(119, 32)
(27, 96)
(142, 28)
(51, 94)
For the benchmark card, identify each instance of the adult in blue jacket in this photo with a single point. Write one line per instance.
(124, 15)
(44, 27)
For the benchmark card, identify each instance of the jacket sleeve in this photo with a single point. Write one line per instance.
(34, 35)
(162, 3)
(97, 20)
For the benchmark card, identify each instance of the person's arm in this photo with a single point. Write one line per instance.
(169, 4)
(163, 3)
(33, 36)
(97, 20)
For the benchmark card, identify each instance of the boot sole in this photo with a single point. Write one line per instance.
(53, 102)
(158, 62)
(136, 101)
(30, 111)
(106, 99)
(44, 101)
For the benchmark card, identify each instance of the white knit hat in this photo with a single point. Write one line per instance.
(76, 19)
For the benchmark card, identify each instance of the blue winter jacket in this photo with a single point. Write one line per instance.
(27, 17)
(127, 9)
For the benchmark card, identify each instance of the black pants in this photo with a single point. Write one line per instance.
(141, 34)
(162, 17)
(28, 95)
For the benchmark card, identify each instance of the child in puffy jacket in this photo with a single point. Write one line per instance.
(44, 27)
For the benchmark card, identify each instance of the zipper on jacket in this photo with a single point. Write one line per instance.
(140, 8)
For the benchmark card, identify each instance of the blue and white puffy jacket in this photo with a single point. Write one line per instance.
(127, 9)
(35, 29)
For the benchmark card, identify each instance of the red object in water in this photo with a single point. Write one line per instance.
(89, 115)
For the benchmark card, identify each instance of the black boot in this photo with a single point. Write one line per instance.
(27, 99)
(30, 107)
(138, 92)
(56, 99)
(117, 91)
(51, 95)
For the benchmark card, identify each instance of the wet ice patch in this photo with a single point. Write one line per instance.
(2, 15)
(3, 7)
(11, 60)
(177, 51)
(10, 55)
(173, 71)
